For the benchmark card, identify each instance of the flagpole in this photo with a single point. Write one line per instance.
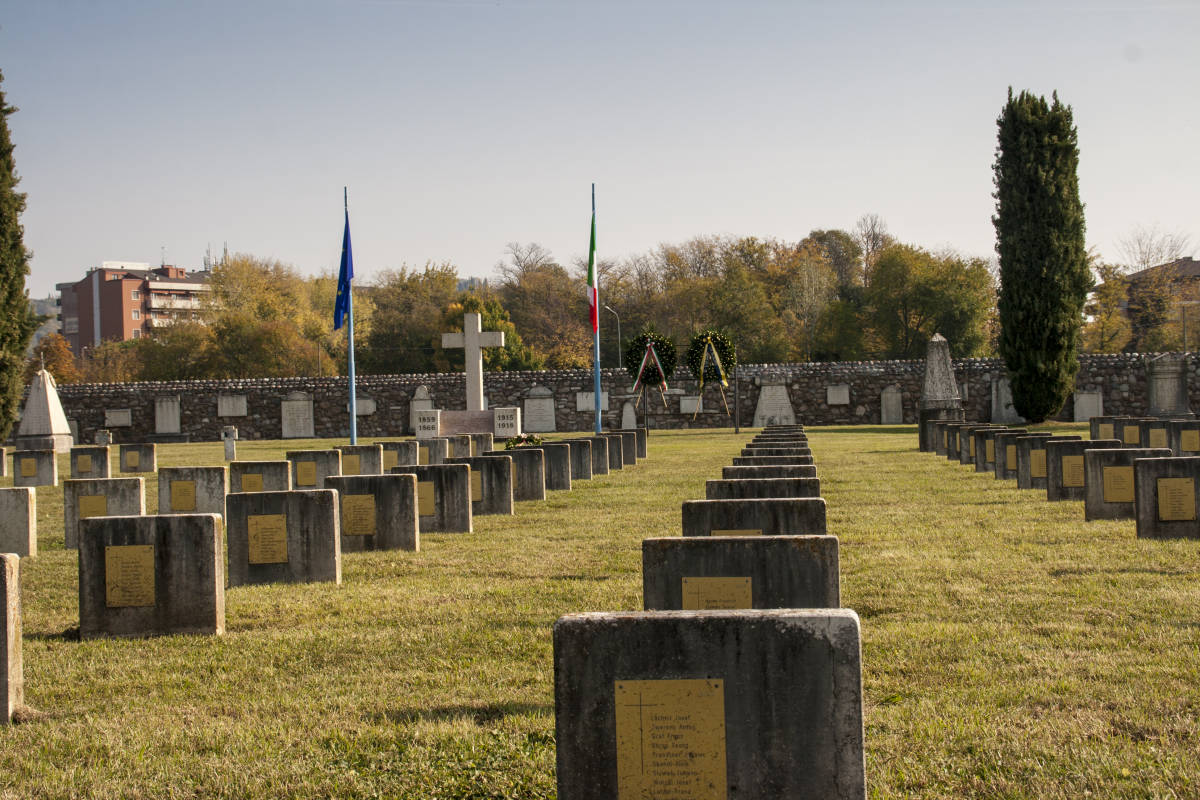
(596, 328)
(350, 335)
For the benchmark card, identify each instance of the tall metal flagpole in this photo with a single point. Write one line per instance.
(350, 329)
(596, 330)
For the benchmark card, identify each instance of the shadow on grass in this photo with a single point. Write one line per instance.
(70, 634)
(1065, 571)
(480, 715)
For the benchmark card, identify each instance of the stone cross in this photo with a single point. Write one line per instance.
(473, 340)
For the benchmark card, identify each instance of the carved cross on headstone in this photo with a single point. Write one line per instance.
(473, 339)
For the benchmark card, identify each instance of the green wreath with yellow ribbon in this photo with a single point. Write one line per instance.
(711, 358)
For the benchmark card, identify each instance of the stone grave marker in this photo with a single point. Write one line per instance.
(1167, 385)
(229, 436)
(939, 392)
(421, 400)
(260, 476)
(310, 468)
(431, 451)
(539, 410)
(1005, 449)
(192, 490)
(18, 521)
(779, 471)
(103, 438)
(461, 446)
(90, 462)
(529, 469)
(138, 457)
(377, 512)
(492, 478)
(472, 340)
(710, 686)
(770, 461)
(296, 416)
(629, 447)
(711, 573)
(443, 496)
(1103, 427)
(745, 488)
(1129, 430)
(1166, 491)
(616, 451)
(557, 465)
(581, 458)
(760, 450)
(1153, 433)
(985, 448)
(1066, 478)
(1109, 478)
(628, 415)
(506, 423)
(284, 537)
(397, 453)
(34, 468)
(482, 442)
(1003, 411)
(361, 459)
(151, 576)
(1031, 458)
(956, 432)
(166, 414)
(428, 424)
(43, 424)
(12, 670)
(774, 406)
(641, 436)
(599, 450)
(891, 406)
(966, 441)
(3, 462)
(99, 497)
(1088, 404)
(1184, 437)
(795, 516)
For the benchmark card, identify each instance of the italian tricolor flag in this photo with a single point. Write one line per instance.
(593, 283)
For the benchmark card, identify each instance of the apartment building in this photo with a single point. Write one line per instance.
(126, 300)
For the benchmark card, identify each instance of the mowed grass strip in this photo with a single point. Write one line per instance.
(1010, 649)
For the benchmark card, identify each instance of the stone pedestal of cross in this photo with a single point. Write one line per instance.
(473, 339)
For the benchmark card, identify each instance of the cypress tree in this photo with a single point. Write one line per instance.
(16, 317)
(1044, 275)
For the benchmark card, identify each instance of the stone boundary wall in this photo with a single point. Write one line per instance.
(1121, 379)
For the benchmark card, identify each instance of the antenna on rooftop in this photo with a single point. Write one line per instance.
(163, 262)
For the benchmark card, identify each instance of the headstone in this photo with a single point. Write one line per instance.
(103, 437)
(586, 401)
(443, 496)
(492, 478)
(891, 406)
(229, 435)
(1066, 478)
(539, 416)
(310, 468)
(616, 450)
(192, 490)
(482, 442)
(759, 704)
(837, 394)
(791, 516)
(378, 512)
(99, 497)
(1166, 491)
(557, 465)
(966, 441)
(1129, 430)
(761, 487)
(1154, 433)
(628, 415)
(43, 425)
(432, 451)
(284, 537)
(985, 448)
(1184, 437)
(506, 422)
(714, 573)
(781, 471)
(18, 521)
(138, 458)
(1166, 378)
(461, 446)
(12, 672)
(1103, 427)
(1003, 412)
(691, 404)
(428, 423)
(361, 459)
(231, 405)
(939, 394)
(599, 454)
(529, 469)
(260, 476)
(1032, 466)
(774, 406)
(34, 468)
(1088, 404)
(397, 453)
(166, 414)
(759, 450)
(1110, 492)
(641, 436)
(629, 447)
(150, 576)
(117, 418)
(421, 401)
(296, 416)
(1004, 466)
(472, 340)
(769, 461)
(581, 458)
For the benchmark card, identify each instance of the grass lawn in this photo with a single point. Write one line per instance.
(1010, 649)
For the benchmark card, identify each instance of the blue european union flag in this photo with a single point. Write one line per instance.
(345, 274)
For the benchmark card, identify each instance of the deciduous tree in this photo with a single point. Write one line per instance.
(54, 352)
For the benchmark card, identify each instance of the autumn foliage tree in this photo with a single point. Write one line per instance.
(54, 352)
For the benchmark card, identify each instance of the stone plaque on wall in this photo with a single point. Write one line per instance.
(689, 404)
(837, 395)
(586, 401)
(1088, 405)
(774, 407)
(118, 417)
(891, 406)
(539, 411)
(363, 406)
(166, 414)
(296, 416)
(231, 405)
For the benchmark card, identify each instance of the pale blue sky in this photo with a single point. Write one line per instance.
(462, 126)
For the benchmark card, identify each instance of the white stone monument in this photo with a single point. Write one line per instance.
(473, 339)
(43, 424)
(539, 410)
